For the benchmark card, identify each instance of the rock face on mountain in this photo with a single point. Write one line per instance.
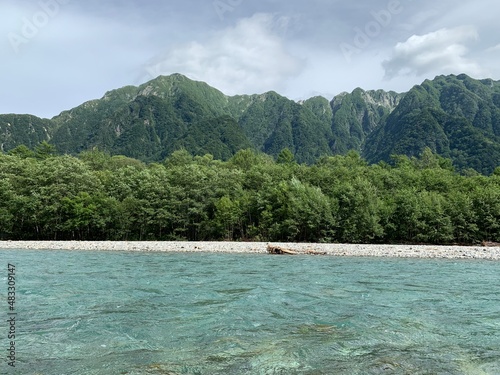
(455, 116)
(358, 114)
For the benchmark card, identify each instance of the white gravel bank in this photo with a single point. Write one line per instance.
(399, 251)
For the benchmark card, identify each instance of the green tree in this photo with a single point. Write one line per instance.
(228, 216)
(421, 216)
(6, 198)
(86, 216)
(294, 211)
(22, 152)
(179, 158)
(45, 150)
(54, 180)
(97, 160)
(486, 201)
(285, 157)
(359, 211)
(435, 226)
(459, 207)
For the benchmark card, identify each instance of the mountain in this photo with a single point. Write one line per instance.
(455, 116)
(168, 113)
(356, 115)
(272, 122)
(23, 129)
(147, 122)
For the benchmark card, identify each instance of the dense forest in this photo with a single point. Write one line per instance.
(250, 196)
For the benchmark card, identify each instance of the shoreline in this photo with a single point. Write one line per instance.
(342, 250)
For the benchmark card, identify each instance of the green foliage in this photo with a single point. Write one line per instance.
(228, 217)
(486, 203)
(6, 202)
(22, 151)
(294, 211)
(179, 158)
(359, 211)
(248, 158)
(45, 150)
(285, 157)
(248, 197)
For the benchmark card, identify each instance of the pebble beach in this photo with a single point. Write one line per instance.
(347, 250)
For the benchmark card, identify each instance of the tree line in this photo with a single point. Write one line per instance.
(250, 197)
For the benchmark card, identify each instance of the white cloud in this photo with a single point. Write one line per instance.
(442, 51)
(247, 58)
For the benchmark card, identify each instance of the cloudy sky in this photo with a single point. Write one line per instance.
(57, 54)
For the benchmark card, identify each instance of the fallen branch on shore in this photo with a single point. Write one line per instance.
(280, 250)
(283, 251)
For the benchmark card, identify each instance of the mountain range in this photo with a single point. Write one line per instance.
(456, 117)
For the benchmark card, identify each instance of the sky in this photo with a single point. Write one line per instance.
(58, 54)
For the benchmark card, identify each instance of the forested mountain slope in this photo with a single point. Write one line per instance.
(455, 116)
(25, 130)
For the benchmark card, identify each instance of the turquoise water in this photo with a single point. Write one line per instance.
(149, 313)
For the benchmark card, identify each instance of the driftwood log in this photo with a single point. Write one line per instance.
(283, 251)
(280, 250)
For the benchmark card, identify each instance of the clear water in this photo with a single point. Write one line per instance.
(149, 313)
